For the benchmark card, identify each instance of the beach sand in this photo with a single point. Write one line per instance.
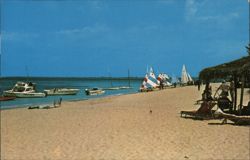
(120, 128)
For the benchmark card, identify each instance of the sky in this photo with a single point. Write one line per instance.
(88, 38)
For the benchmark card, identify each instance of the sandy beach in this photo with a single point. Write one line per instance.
(120, 128)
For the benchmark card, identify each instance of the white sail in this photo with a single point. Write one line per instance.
(152, 81)
(149, 81)
(189, 78)
(184, 75)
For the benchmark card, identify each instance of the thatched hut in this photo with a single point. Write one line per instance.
(238, 70)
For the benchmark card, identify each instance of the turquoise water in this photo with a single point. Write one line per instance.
(78, 83)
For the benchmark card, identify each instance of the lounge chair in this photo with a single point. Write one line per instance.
(204, 112)
(238, 120)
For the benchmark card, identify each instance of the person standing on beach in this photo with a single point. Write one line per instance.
(161, 84)
(199, 85)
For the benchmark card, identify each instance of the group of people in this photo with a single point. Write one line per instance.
(223, 94)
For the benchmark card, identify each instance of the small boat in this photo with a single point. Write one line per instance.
(150, 83)
(125, 87)
(23, 90)
(2, 98)
(112, 88)
(61, 91)
(94, 91)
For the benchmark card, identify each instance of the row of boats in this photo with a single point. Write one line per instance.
(151, 83)
(28, 90)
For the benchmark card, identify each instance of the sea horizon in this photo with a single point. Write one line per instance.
(71, 77)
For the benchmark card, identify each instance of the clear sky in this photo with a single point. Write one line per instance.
(102, 38)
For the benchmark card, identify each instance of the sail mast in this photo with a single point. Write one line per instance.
(128, 78)
(27, 73)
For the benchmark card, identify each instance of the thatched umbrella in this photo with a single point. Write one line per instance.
(233, 68)
(238, 69)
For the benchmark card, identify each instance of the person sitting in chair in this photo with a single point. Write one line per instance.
(224, 89)
(207, 94)
(223, 100)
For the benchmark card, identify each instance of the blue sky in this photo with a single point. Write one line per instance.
(98, 38)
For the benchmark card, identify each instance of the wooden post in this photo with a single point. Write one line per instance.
(207, 85)
(235, 92)
(242, 91)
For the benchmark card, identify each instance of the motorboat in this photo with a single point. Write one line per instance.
(23, 90)
(61, 91)
(94, 91)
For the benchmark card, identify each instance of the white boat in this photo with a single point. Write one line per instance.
(94, 91)
(125, 87)
(23, 90)
(150, 82)
(61, 91)
(164, 79)
(112, 88)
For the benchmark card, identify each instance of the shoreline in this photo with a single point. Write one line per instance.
(75, 100)
(71, 100)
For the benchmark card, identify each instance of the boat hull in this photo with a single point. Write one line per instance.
(7, 98)
(94, 92)
(24, 95)
(52, 92)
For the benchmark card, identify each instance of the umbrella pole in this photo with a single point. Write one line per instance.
(242, 91)
(235, 92)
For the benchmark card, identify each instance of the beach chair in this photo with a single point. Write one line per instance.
(204, 112)
(238, 120)
(224, 103)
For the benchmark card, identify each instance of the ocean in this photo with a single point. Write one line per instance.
(78, 83)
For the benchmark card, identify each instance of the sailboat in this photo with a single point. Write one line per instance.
(129, 86)
(119, 87)
(150, 82)
(164, 78)
(185, 77)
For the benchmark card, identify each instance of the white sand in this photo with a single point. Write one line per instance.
(121, 128)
